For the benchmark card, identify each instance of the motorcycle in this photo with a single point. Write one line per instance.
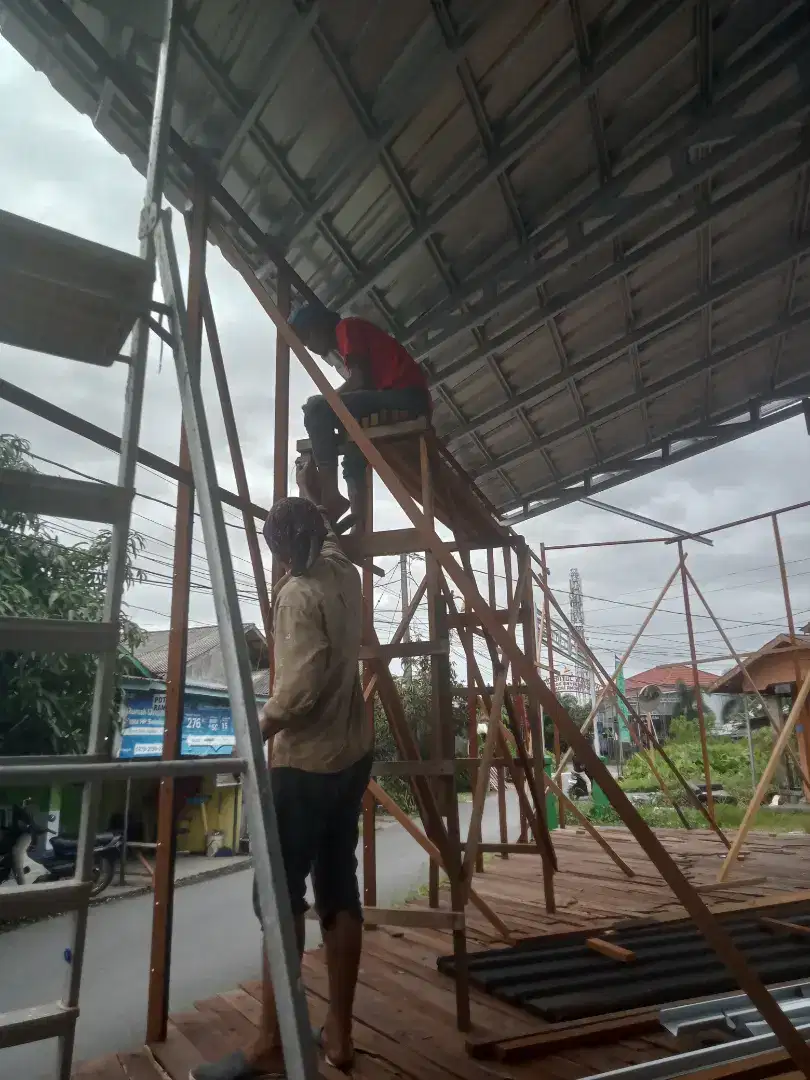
(578, 784)
(58, 863)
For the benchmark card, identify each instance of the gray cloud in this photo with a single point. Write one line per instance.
(57, 169)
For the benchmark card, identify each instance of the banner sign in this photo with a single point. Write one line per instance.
(207, 726)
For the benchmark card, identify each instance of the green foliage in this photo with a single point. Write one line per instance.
(687, 704)
(47, 697)
(728, 760)
(662, 816)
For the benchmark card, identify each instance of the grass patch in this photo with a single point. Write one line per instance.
(728, 817)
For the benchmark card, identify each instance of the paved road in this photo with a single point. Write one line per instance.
(215, 946)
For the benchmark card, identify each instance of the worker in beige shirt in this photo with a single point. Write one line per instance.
(321, 765)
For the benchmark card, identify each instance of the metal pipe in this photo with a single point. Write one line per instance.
(157, 1010)
(118, 771)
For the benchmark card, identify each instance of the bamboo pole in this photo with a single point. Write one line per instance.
(626, 655)
(765, 779)
(741, 665)
(704, 746)
(552, 679)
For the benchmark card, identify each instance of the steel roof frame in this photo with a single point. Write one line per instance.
(752, 52)
(631, 467)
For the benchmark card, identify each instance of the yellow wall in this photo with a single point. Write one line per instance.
(219, 812)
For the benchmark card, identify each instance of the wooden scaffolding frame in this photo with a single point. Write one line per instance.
(423, 496)
(429, 486)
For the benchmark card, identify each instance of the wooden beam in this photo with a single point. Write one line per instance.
(413, 830)
(410, 648)
(378, 432)
(782, 926)
(610, 949)
(714, 932)
(565, 1036)
(440, 919)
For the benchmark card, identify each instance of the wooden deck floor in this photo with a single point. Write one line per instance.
(405, 1010)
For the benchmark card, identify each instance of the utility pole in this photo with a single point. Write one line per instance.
(403, 581)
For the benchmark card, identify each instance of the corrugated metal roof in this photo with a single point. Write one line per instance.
(587, 219)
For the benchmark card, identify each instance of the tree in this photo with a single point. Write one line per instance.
(47, 697)
(687, 705)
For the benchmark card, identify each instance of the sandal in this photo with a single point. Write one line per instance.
(317, 1034)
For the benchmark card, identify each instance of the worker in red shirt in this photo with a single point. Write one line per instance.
(382, 376)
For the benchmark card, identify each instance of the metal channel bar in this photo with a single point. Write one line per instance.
(101, 717)
(712, 1011)
(680, 1064)
(274, 901)
(19, 775)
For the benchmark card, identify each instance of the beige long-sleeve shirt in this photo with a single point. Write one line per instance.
(317, 627)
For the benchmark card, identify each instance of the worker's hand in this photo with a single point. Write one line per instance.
(307, 479)
(268, 725)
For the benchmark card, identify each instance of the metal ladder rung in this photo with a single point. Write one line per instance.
(50, 898)
(35, 1023)
(60, 496)
(19, 772)
(57, 635)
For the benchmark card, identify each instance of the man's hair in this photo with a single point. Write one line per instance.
(295, 532)
(311, 316)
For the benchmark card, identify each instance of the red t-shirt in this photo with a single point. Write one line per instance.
(390, 366)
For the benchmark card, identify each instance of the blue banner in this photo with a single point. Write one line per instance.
(207, 726)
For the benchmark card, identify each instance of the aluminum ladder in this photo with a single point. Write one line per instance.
(99, 295)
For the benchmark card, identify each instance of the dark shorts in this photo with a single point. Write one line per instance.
(317, 816)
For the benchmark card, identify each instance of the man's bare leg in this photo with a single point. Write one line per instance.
(267, 1053)
(332, 501)
(344, 943)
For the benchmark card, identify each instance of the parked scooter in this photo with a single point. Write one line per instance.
(578, 784)
(15, 840)
(58, 863)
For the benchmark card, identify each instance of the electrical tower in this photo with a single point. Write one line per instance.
(577, 616)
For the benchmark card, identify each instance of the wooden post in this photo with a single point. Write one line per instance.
(472, 741)
(157, 1013)
(704, 748)
(803, 724)
(552, 678)
(443, 746)
(530, 649)
(369, 805)
(715, 933)
(493, 729)
(499, 774)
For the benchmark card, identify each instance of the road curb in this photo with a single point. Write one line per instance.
(222, 870)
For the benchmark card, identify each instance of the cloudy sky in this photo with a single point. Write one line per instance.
(55, 168)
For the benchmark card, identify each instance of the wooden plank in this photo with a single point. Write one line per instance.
(718, 886)
(552, 1038)
(611, 950)
(176, 1054)
(781, 926)
(105, 1068)
(405, 649)
(378, 432)
(140, 1066)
